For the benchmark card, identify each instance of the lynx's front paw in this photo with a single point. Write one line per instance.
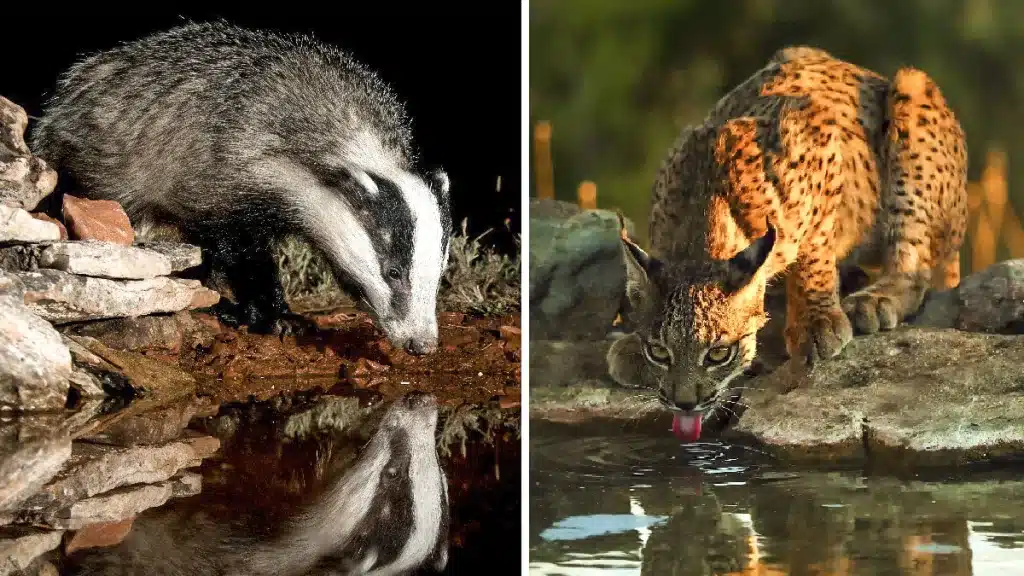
(824, 334)
(871, 312)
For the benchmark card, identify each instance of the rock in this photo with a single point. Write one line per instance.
(186, 484)
(102, 535)
(512, 336)
(97, 469)
(181, 256)
(25, 179)
(26, 464)
(939, 310)
(59, 297)
(43, 568)
(60, 225)
(22, 428)
(156, 426)
(118, 504)
(159, 383)
(34, 363)
(163, 333)
(913, 396)
(11, 286)
(86, 383)
(83, 358)
(990, 300)
(558, 364)
(13, 123)
(451, 318)
(97, 220)
(105, 260)
(20, 546)
(203, 298)
(18, 226)
(88, 258)
(577, 275)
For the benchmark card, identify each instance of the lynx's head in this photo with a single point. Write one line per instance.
(695, 327)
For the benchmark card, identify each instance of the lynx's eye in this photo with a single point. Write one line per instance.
(657, 353)
(718, 355)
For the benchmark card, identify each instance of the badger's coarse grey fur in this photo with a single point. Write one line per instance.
(237, 137)
(387, 515)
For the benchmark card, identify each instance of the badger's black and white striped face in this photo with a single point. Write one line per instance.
(387, 232)
(388, 514)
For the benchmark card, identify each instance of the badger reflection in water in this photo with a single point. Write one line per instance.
(388, 515)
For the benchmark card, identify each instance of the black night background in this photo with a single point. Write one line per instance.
(457, 69)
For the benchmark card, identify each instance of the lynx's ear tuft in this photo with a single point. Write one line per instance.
(641, 271)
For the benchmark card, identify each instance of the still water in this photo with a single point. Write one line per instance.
(618, 503)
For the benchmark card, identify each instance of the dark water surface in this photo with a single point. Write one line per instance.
(260, 478)
(623, 502)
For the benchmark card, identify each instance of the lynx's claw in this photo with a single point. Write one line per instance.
(871, 312)
(826, 334)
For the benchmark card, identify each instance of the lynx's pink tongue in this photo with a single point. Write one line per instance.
(686, 426)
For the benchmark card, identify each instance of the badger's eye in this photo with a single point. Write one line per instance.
(718, 355)
(394, 274)
(657, 353)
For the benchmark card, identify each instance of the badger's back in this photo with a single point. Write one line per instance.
(180, 123)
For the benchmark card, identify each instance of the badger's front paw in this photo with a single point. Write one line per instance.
(265, 320)
(871, 312)
(293, 325)
(823, 335)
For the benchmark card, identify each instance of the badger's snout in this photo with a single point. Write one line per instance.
(420, 346)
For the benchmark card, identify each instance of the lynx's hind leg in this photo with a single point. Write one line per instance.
(923, 204)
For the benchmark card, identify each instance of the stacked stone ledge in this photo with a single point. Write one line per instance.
(68, 473)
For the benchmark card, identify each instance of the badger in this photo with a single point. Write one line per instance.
(237, 137)
(387, 515)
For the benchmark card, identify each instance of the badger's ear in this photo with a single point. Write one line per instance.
(439, 183)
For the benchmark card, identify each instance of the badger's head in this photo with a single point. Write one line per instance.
(387, 233)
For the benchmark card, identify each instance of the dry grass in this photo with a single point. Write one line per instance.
(477, 280)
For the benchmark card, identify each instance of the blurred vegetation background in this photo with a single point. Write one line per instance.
(615, 81)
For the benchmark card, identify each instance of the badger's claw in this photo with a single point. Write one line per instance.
(293, 325)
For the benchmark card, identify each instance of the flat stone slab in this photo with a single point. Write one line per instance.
(94, 469)
(60, 297)
(156, 426)
(34, 362)
(911, 397)
(20, 546)
(26, 465)
(88, 258)
(19, 227)
(123, 503)
(934, 396)
(181, 256)
(157, 382)
(166, 333)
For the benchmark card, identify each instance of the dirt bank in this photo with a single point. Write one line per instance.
(478, 360)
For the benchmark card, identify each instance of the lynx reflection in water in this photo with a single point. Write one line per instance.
(638, 504)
